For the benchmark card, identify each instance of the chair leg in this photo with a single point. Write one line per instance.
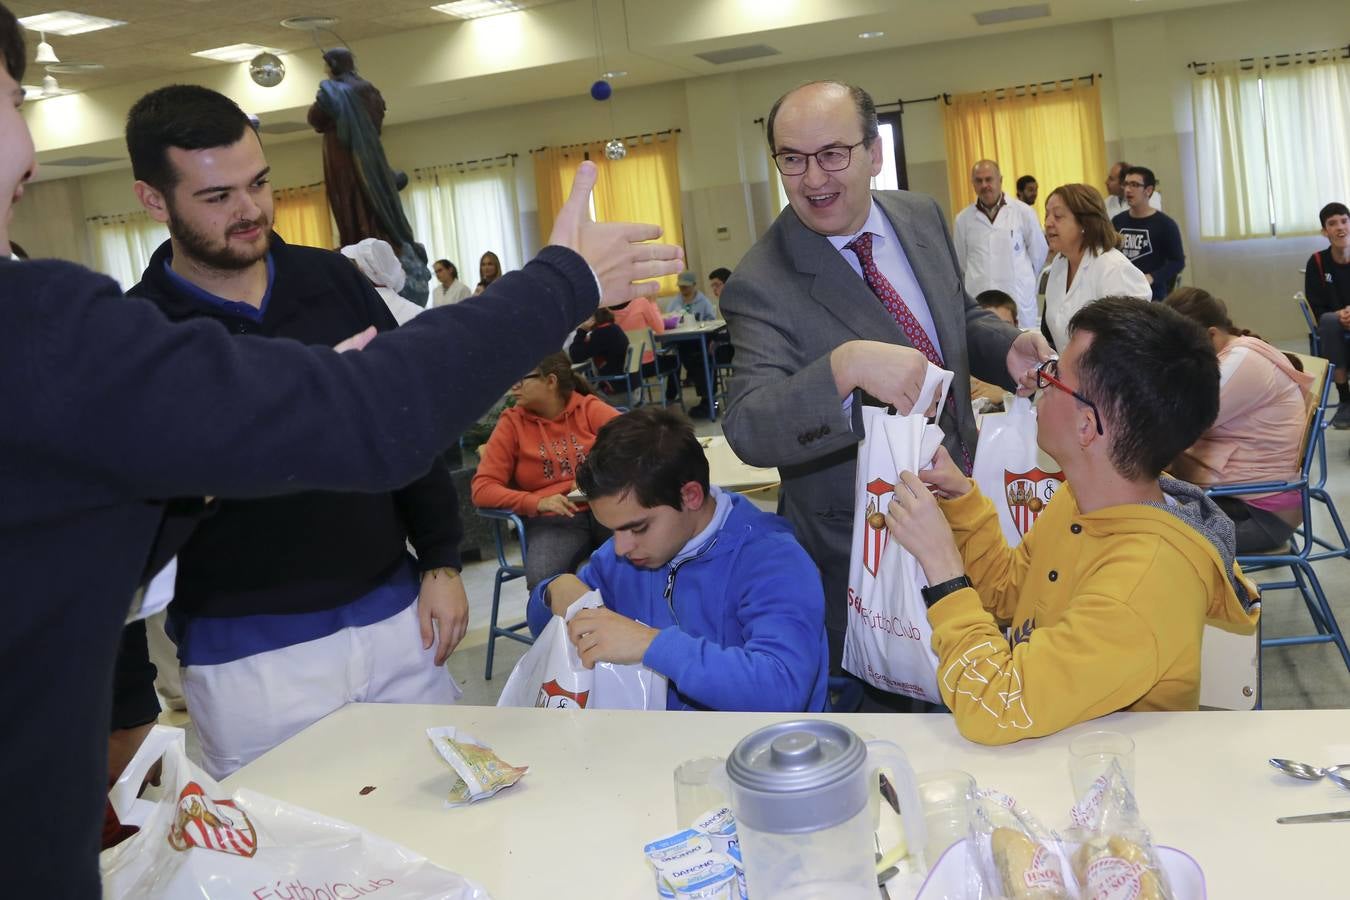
(1309, 599)
(492, 624)
(1329, 617)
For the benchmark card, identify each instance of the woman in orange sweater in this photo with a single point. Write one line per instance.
(529, 466)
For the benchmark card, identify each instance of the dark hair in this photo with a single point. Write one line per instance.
(340, 61)
(1143, 172)
(723, 275)
(604, 315)
(185, 116)
(867, 111)
(1024, 181)
(448, 264)
(1208, 311)
(569, 380)
(993, 299)
(1154, 376)
(1087, 206)
(12, 45)
(1123, 166)
(652, 452)
(1332, 209)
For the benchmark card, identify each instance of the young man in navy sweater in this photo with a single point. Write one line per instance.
(1148, 236)
(109, 410)
(285, 608)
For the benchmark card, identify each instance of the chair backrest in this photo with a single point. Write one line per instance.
(1230, 669)
(1308, 317)
(639, 345)
(1318, 391)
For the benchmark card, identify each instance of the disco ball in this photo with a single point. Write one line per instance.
(266, 70)
(615, 149)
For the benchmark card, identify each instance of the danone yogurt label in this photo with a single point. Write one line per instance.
(669, 851)
(708, 877)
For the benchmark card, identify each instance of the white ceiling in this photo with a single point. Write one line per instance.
(429, 65)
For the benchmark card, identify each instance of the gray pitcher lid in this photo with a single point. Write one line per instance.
(798, 776)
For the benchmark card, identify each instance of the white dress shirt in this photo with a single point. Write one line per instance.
(892, 262)
(1117, 205)
(1004, 255)
(444, 296)
(1109, 275)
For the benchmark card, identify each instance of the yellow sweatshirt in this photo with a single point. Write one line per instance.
(1106, 608)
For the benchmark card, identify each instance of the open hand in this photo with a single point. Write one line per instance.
(917, 524)
(442, 611)
(557, 505)
(615, 251)
(1026, 353)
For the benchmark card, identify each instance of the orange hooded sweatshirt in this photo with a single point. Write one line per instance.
(529, 457)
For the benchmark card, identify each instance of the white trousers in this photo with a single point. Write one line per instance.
(246, 707)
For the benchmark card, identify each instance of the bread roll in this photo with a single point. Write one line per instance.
(1105, 865)
(1026, 869)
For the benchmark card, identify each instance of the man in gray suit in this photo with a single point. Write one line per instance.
(822, 322)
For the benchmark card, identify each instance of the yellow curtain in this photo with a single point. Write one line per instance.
(301, 216)
(644, 186)
(1052, 132)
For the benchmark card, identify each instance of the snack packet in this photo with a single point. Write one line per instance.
(1016, 857)
(1117, 859)
(481, 772)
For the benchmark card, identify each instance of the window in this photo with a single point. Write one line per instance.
(1269, 143)
(461, 211)
(123, 245)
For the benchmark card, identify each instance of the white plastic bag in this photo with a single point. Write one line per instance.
(1013, 471)
(889, 643)
(196, 841)
(551, 675)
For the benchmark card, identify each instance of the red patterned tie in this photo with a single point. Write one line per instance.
(918, 338)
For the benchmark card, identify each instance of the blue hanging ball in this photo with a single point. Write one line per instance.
(601, 90)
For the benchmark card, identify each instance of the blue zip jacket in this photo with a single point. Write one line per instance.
(742, 619)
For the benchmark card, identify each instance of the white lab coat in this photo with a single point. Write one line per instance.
(1005, 255)
(1109, 275)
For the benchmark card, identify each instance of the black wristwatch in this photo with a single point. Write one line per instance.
(935, 592)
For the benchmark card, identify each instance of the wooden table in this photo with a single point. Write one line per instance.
(600, 786)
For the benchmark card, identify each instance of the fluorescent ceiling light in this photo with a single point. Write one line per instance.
(868, 35)
(234, 52)
(67, 23)
(617, 73)
(477, 9)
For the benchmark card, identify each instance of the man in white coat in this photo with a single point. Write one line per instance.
(999, 243)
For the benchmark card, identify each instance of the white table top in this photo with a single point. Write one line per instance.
(694, 328)
(600, 786)
(726, 470)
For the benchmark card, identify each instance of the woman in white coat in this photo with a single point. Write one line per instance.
(1086, 265)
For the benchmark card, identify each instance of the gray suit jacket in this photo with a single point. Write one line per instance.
(791, 301)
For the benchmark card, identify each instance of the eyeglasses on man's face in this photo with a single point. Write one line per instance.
(1046, 376)
(1134, 184)
(831, 159)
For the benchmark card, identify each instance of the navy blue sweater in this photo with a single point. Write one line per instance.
(1153, 244)
(107, 409)
(310, 551)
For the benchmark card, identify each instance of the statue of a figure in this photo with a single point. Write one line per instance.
(362, 187)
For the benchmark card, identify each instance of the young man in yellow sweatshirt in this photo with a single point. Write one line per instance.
(1108, 594)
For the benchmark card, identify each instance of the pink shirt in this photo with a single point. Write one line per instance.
(1262, 416)
(639, 315)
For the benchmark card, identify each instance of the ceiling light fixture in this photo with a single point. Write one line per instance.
(45, 53)
(617, 73)
(309, 23)
(234, 52)
(477, 9)
(67, 23)
(869, 35)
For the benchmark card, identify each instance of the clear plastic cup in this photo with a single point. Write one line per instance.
(695, 792)
(1091, 756)
(946, 798)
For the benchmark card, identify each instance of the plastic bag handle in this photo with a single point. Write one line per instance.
(934, 380)
(124, 793)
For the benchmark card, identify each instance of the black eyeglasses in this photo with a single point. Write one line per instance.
(1045, 377)
(525, 378)
(831, 159)
(1133, 184)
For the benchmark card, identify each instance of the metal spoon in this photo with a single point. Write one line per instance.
(1312, 773)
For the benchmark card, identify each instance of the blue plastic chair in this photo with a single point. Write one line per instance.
(1314, 341)
(1301, 553)
(506, 571)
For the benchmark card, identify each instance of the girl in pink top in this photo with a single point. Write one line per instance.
(641, 314)
(1263, 407)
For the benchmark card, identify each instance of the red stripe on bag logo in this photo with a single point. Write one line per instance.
(874, 541)
(208, 824)
(1027, 494)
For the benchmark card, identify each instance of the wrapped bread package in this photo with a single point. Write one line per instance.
(1016, 858)
(1117, 857)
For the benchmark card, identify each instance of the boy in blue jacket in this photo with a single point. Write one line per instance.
(698, 583)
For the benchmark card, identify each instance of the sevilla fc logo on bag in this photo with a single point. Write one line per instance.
(1028, 493)
(554, 696)
(211, 825)
(874, 537)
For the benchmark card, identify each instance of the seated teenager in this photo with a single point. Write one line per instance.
(529, 465)
(1263, 409)
(1001, 304)
(1326, 284)
(699, 584)
(600, 340)
(1108, 594)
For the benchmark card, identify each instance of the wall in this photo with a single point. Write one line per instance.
(724, 168)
